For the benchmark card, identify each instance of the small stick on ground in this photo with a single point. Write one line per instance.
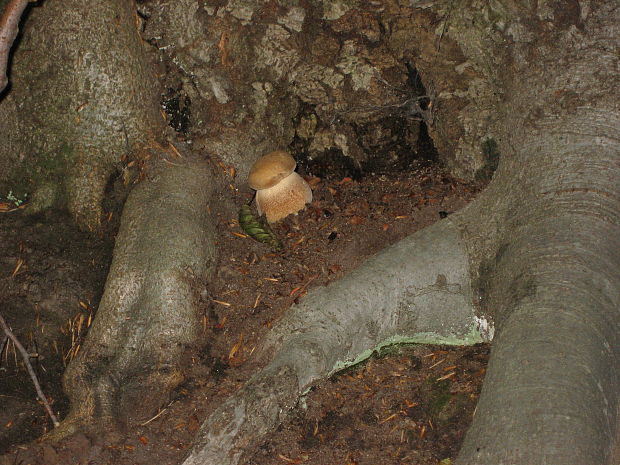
(33, 376)
(301, 289)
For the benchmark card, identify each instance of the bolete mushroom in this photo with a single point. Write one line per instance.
(280, 191)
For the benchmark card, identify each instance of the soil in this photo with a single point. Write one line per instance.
(409, 404)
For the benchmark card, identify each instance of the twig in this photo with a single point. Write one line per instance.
(411, 108)
(158, 414)
(445, 24)
(33, 376)
(9, 27)
(4, 345)
(302, 288)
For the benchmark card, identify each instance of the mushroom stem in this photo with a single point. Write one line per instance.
(287, 197)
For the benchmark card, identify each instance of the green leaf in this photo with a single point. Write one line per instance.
(258, 229)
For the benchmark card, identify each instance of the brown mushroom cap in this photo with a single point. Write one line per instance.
(270, 169)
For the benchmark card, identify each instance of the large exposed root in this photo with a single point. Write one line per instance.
(552, 388)
(415, 291)
(147, 317)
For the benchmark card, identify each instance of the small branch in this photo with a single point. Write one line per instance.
(26, 357)
(412, 108)
(9, 27)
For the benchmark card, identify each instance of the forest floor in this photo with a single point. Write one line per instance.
(406, 405)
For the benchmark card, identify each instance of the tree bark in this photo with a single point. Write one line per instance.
(65, 145)
(415, 291)
(148, 316)
(9, 27)
(542, 243)
(551, 392)
(83, 99)
(536, 254)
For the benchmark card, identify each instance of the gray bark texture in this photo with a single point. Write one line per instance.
(83, 98)
(415, 291)
(551, 392)
(83, 105)
(148, 315)
(537, 253)
(542, 244)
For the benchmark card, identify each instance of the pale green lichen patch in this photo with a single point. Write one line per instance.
(472, 337)
(294, 19)
(243, 10)
(356, 67)
(337, 9)
(275, 51)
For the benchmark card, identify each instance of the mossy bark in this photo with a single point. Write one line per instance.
(323, 79)
(83, 100)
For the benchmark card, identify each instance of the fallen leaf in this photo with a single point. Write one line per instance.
(334, 268)
(313, 181)
(193, 424)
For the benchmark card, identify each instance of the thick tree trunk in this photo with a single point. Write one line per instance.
(83, 102)
(65, 143)
(551, 392)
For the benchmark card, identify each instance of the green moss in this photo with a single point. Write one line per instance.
(439, 396)
(40, 178)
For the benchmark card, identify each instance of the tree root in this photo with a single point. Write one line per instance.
(147, 317)
(9, 27)
(415, 291)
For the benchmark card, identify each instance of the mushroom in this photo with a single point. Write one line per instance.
(280, 191)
